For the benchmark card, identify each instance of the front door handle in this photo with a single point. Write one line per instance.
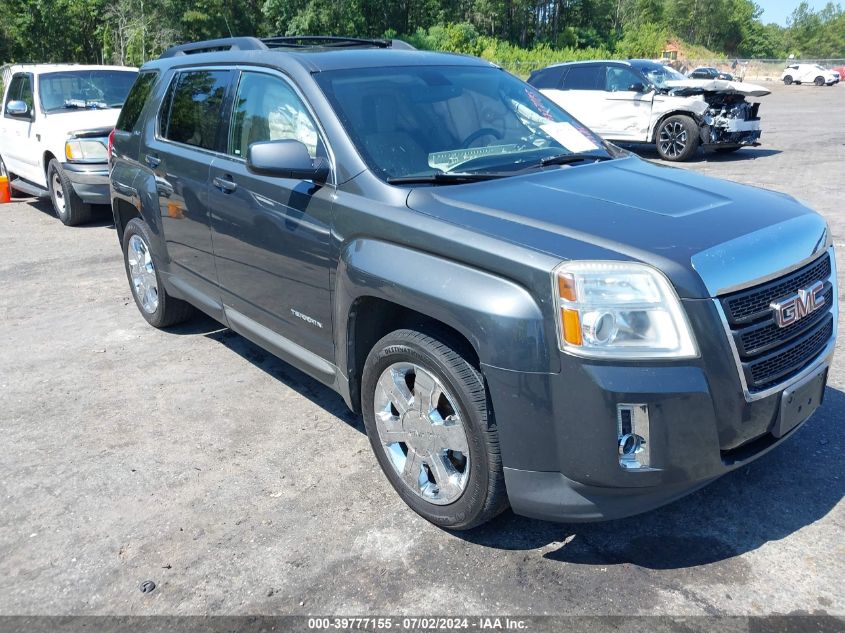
(226, 185)
(152, 161)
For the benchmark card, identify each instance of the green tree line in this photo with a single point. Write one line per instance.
(518, 31)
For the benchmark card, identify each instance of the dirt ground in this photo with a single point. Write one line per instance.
(238, 485)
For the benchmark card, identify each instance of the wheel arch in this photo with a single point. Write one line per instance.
(46, 157)
(652, 134)
(123, 211)
(495, 320)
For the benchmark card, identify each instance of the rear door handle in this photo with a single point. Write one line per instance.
(152, 161)
(226, 185)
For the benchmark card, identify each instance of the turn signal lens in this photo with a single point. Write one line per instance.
(566, 286)
(571, 326)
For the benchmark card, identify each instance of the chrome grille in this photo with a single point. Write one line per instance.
(768, 354)
(752, 304)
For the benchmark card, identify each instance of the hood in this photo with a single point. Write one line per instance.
(65, 123)
(627, 209)
(691, 86)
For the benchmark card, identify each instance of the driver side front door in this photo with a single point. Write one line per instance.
(272, 235)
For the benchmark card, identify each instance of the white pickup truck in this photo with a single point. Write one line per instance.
(54, 127)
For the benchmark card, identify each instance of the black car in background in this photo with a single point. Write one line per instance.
(706, 72)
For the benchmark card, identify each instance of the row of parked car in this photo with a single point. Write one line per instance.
(524, 313)
(57, 118)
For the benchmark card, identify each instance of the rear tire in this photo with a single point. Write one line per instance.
(787, 81)
(432, 430)
(69, 207)
(677, 138)
(154, 303)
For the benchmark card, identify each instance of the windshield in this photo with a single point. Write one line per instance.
(76, 89)
(658, 74)
(423, 120)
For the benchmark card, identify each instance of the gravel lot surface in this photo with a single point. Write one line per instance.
(238, 485)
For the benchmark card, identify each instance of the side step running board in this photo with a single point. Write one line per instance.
(27, 187)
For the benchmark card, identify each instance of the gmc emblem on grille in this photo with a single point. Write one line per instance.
(796, 307)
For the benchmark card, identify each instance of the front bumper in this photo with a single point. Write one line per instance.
(730, 132)
(90, 181)
(559, 432)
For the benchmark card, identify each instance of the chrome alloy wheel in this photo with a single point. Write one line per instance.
(58, 193)
(143, 273)
(673, 139)
(421, 432)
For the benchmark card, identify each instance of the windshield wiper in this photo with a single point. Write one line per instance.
(81, 103)
(566, 159)
(443, 178)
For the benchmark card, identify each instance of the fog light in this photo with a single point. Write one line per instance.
(633, 436)
(629, 444)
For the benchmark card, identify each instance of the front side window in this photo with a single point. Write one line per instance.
(196, 108)
(136, 100)
(84, 89)
(620, 79)
(20, 89)
(423, 120)
(267, 109)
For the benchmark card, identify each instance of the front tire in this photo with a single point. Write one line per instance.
(429, 423)
(819, 81)
(787, 81)
(69, 207)
(155, 304)
(677, 138)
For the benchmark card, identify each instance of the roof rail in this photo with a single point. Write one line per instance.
(212, 46)
(281, 41)
(331, 41)
(318, 41)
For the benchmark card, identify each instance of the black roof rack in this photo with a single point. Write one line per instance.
(311, 41)
(211, 46)
(282, 41)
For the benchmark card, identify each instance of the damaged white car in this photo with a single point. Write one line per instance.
(641, 101)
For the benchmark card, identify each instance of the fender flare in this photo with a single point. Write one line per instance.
(500, 318)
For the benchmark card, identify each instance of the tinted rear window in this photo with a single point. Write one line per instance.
(548, 78)
(584, 78)
(136, 100)
(197, 108)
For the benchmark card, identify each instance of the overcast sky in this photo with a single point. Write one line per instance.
(778, 10)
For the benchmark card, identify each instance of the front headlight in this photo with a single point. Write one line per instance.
(619, 310)
(86, 150)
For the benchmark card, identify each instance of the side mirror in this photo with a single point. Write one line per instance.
(637, 87)
(286, 159)
(17, 108)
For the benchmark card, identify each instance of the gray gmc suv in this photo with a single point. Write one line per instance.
(523, 313)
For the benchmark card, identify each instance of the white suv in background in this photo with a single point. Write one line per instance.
(54, 126)
(809, 74)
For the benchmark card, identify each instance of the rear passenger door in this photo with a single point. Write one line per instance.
(190, 131)
(582, 94)
(272, 234)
